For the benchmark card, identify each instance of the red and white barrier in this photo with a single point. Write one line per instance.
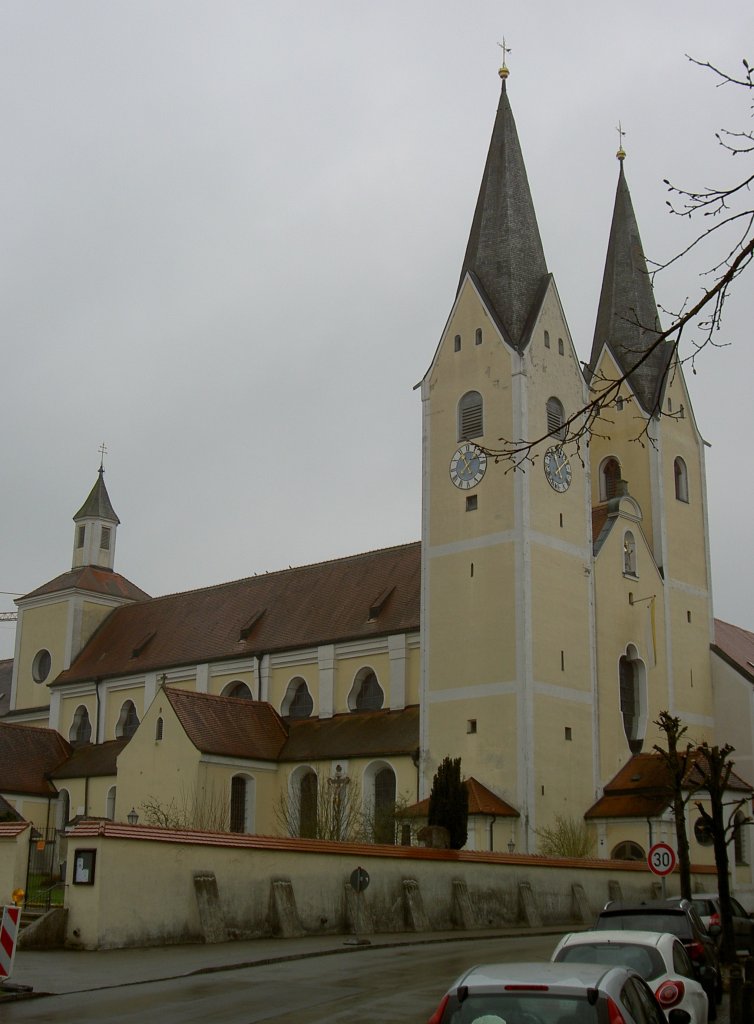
(8, 936)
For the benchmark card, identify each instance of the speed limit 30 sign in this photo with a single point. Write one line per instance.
(661, 859)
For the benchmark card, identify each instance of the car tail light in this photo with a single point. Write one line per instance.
(437, 1015)
(614, 1016)
(714, 918)
(695, 950)
(670, 993)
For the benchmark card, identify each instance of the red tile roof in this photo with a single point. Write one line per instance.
(642, 788)
(93, 579)
(294, 608)
(27, 755)
(356, 734)
(481, 801)
(91, 760)
(736, 646)
(229, 726)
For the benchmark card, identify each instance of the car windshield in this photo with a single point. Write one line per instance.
(645, 960)
(646, 921)
(520, 1008)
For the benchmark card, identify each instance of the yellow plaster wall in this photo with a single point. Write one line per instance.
(560, 599)
(42, 627)
(413, 673)
(93, 614)
(38, 810)
(565, 773)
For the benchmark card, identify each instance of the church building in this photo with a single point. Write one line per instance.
(558, 600)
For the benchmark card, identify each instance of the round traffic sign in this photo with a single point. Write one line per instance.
(661, 859)
(359, 880)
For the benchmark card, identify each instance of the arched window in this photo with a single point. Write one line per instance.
(628, 851)
(238, 689)
(629, 554)
(681, 480)
(470, 416)
(307, 806)
(297, 702)
(128, 721)
(384, 806)
(478, 336)
(740, 836)
(633, 701)
(242, 803)
(158, 728)
(81, 728)
(609, 476)
(366, 693)
(110, 804)
(555, 418)
(547, 339)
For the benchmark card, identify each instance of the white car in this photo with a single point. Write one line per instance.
(547, 993)
(659, 957)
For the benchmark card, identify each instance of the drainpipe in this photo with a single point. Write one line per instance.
(97, 681)
(493, 819)
(415, 757)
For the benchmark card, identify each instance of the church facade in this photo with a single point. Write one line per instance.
(557, 601)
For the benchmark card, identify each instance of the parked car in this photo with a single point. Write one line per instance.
(659, 957)
(707, 905)
(679, 918)
(547, 993)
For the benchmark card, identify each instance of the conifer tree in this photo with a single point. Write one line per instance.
(449, 802)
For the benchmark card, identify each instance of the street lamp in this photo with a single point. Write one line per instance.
(132, 816)
(511, 845)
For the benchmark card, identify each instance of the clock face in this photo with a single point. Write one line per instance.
(467, 466)
(557, 469)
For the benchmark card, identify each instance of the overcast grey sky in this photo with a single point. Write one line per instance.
(232, 233)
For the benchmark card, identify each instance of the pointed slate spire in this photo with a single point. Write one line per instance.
(504, 252)
(627, 318)
(98, 504)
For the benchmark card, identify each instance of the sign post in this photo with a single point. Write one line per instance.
(358, 881)
(661, 860)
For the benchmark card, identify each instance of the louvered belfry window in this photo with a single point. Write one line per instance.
(470, 416)
(555, 418)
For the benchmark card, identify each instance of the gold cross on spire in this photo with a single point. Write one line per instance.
(503, 71)
(102, 453)
(621, 154)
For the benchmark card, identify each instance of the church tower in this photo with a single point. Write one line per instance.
(95, 529)
(662, 474)
(508, 647)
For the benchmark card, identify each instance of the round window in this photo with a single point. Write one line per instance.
(41, 666)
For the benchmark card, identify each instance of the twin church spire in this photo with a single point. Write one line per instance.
(506, 260)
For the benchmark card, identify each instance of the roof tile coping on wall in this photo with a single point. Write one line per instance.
(154, 833)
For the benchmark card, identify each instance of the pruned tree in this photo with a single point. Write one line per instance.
(722, 821)
(727, 244)
(330, 810)
(568, 837)
(206, 808)
(678, 761)
(449, 802)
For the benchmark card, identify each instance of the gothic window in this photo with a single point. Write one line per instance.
(384, 806)
(609, 477)
(628, 851)
(629, 554)
(81, 729)
(366, 693)
(470, 416)
(632, 680)
(128, 721)
(681, 480)
(158, 728)
(238, 689)
(110, 804)
(555, 418)
(241, 803)
(297, 702)
(307, 807)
